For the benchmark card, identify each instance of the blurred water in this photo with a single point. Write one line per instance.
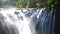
(37, 21)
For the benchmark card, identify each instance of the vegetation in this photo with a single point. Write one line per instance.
(49, 4)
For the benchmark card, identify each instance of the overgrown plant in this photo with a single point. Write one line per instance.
(49, 4)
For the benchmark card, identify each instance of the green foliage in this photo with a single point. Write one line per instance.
(19, 4)
(49, 4)
(38, 4)
(28, 3)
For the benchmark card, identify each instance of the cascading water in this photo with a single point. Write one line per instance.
(37, 21)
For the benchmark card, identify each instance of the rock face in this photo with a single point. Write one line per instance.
(13, 21)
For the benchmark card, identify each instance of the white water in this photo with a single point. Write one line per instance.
(24, 25)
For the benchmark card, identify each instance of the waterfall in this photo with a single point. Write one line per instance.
(39, 21)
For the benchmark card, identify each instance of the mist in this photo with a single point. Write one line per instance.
(7, 3)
